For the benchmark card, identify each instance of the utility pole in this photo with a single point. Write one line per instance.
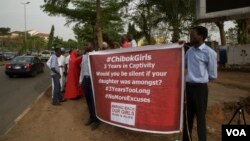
(25, 36)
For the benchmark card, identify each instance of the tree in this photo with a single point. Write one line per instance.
(51, 38)
(98, 23)
(111, 32)
(132, 31)
(87, 12)
(243, 26)
(36, 44)
(71, 44)
(57, 42)
(84, 33)
(230, 36)
(143, 19)
(178, 14)
(4, 30)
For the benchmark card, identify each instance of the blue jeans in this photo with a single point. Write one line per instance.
(86, 83)
(57, 97)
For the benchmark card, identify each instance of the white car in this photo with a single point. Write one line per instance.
(44, 55)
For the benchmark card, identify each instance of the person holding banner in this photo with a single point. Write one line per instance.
(85, 81)
(201, 62)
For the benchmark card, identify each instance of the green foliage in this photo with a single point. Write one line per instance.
(143, 18)
(60, 43)
(231, 36)
(177, 15)
(242, 31)
(145, 15)
(152, 41)
(34, 44)
(111, 32)
(133, 31)
(4, 30)
(84, 33)
(72, 44)
(57, 42)
(83, 13)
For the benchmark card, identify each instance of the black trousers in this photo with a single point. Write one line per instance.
(86, 83)
(196, 105)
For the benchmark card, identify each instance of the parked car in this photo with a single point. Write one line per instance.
(44, 55)
(34, 54)
(24, 65)
(8, 55)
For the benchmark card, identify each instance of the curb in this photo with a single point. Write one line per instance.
(2, 63)
(24, 113)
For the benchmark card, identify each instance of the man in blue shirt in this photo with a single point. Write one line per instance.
(55, 74)
(201, 62)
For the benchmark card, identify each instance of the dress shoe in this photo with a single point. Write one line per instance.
(89, 122)
(95, 125)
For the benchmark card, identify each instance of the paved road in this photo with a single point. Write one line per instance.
(16, 94)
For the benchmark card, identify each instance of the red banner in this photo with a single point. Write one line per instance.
(140, 88)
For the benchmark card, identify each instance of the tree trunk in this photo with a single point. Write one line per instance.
(175, 35)
(220, 25)
(98, 23)
(149, 25)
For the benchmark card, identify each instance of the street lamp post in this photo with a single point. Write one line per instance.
(25, 36)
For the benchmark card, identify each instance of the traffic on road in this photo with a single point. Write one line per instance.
(18, 93)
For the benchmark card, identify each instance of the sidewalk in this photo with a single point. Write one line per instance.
(2, 63)
(45, 122)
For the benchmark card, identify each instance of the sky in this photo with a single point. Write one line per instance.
(12, 16)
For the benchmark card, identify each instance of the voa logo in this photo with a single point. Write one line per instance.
(236, 132)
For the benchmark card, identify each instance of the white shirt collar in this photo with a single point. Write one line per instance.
(202, 46)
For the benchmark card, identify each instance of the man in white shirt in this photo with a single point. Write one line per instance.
(61, 64)
(85, 81)
(55, 74)
(132, 41)
(201, 63)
